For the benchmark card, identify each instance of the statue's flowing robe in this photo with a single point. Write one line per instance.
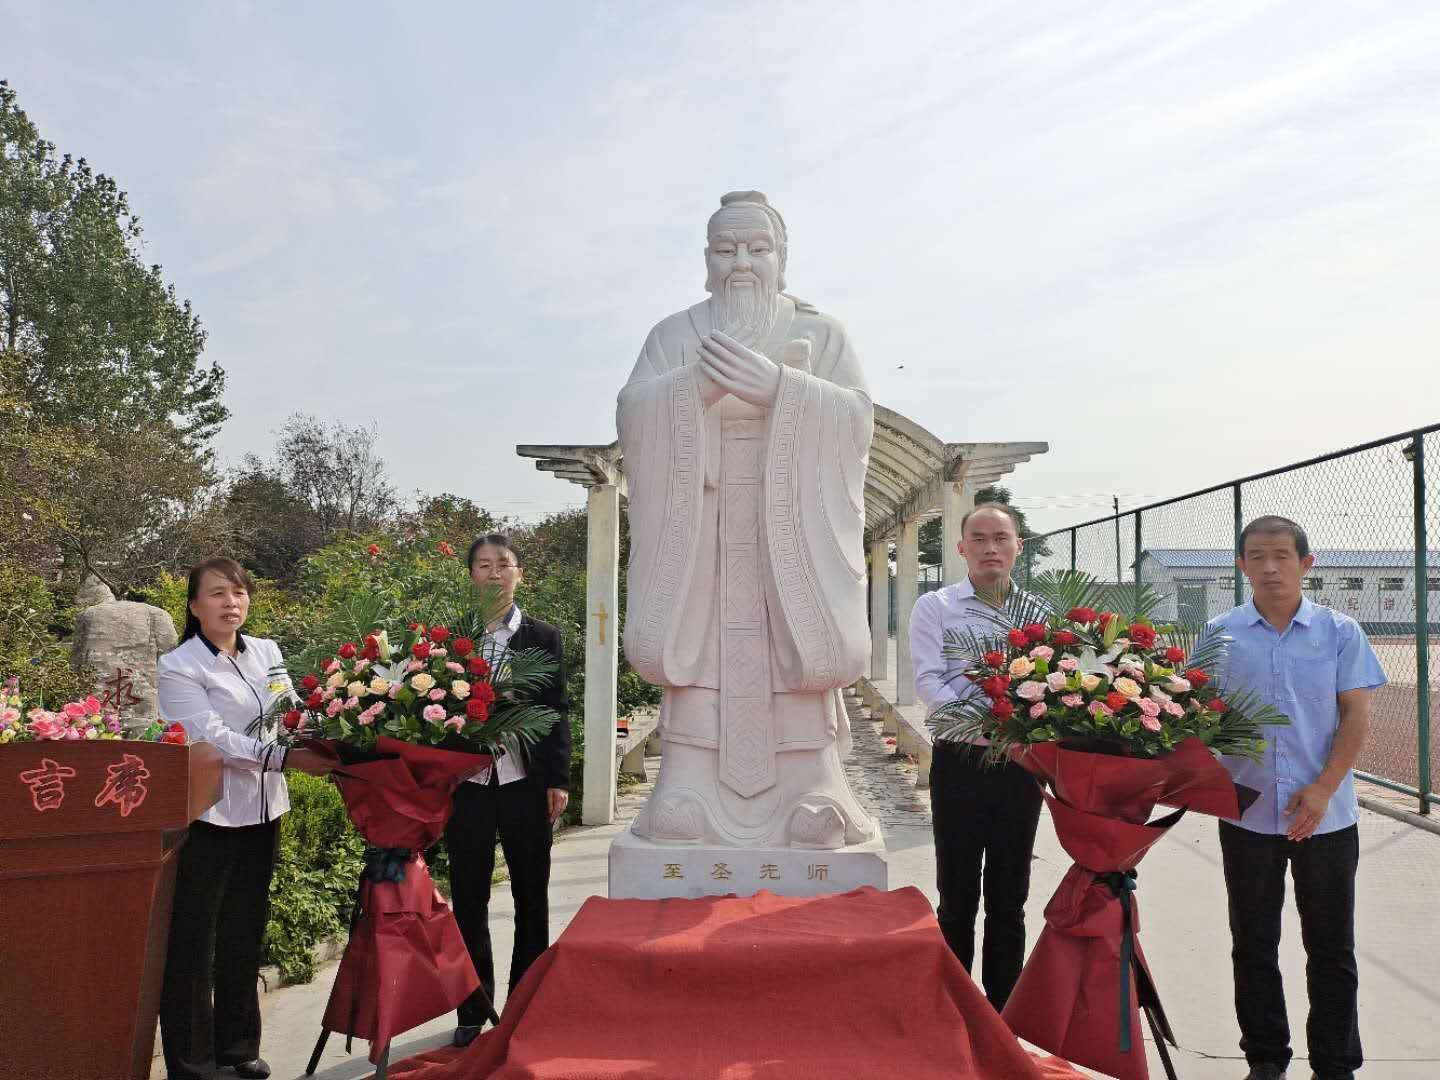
(747, 578)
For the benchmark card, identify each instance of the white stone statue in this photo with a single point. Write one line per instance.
(746, 428)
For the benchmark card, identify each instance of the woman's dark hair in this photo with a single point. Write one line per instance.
(494, 539)
(229, 569)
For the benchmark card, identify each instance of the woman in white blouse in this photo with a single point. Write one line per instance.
(216, 682)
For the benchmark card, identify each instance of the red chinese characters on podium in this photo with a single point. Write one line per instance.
(124, 785)
(47, 784)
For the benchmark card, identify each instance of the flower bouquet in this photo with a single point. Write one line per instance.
(406, 725)
(1112, 714)
(85, 719)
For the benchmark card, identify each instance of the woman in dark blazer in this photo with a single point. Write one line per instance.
(517, 800)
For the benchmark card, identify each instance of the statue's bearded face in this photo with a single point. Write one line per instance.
(742, 262)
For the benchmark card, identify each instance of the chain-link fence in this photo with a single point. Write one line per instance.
(1372, 514)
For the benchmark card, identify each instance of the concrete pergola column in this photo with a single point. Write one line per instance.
(956, 499)
(880, 609)
(602, 599)
(907, 591)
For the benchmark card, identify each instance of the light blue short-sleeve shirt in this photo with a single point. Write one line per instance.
(1321, 654)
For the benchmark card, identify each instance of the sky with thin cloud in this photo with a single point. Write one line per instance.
(1180, 242)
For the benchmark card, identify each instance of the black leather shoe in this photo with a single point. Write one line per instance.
(465, 1034)
(1265, 1070)
(258, 1069)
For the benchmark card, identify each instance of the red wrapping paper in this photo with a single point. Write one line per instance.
(1067, 1000)
(405, 962)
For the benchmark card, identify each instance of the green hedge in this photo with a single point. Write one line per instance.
(315, 874)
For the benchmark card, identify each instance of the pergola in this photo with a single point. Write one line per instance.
(913, 476)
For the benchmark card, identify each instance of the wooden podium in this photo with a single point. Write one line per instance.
(89, 834)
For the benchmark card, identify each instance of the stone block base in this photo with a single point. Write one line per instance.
(642, 869)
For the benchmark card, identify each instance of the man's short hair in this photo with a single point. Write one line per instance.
(494, 539)
(1270, 524)
(1005, 509)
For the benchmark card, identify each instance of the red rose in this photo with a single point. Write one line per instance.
(292, 719)
(1081, 614)
(478, 665)
(477, 710)
(175, 728)
(438, 634)
(1196, 677)
(1116, 700)
(174, 735)
(1002, 709)
(416, 627)
(994, 659)
(371, 651)
(1142, 635)
(995, 686)
(462, 647)
(1018, 638)
(347, 651)
(1105, 618)
(1064, 637)
(315, 700)
(420, 650)
(1175, 654)
(1217, 705)
(373, 549)
(1036, 631)
(309, 682)
(483, 692)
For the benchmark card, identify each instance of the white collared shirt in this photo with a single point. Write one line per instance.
(940, 680)
(495, 647)
(217, 697)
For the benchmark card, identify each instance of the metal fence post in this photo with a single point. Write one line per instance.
(1239, 528)
(1072, 551)
(1422, 626)
(1137, 547)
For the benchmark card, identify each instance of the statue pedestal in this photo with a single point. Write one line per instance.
(642, 869)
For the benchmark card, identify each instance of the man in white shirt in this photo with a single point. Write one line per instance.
(517, 799)
(983, 815)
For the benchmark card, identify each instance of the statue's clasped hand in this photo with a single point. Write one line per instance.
(733, 368)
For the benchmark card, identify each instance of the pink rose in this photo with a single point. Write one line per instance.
(1159, 695)
(332, 666)
(1150, 723)
(1042, 652)
(74, 710)
(1177, 685)
(1072, 701)
(1099, 708)
(334, 707)
(414, 665)
(1112, 671)
(435, 650)
(1150, 707)
(394, 689)
(1056, 681)
(434, 713)
(455, 723)
(73, 733)
(352, 703)
(1031, 691)
(1172, 709)
(1037, 710)
(1069, 663)
(361, 665)
(452, 666)
(92, 705)
(438, 694)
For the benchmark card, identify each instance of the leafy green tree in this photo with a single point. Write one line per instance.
(94, 336)
(930, 542)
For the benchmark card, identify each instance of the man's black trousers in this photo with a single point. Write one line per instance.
(985, 818)
(517, 814)
(1323, 868)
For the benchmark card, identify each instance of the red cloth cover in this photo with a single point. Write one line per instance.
(405, 962)
(1068, 998)
(856, 985)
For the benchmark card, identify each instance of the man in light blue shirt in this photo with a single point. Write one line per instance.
(1315, 666)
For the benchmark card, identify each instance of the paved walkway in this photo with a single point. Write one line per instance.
(1182, 897)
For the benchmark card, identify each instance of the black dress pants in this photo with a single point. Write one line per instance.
(1323, 868)
(210, 1002)
(517, 813)
(984, 818)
